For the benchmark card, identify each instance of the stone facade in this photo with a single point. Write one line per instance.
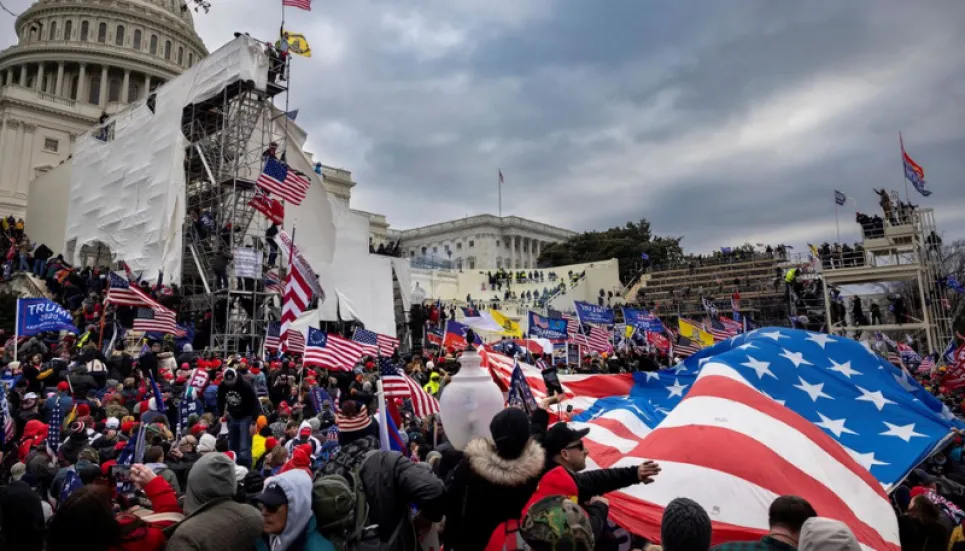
(479, 242)
(75, 61)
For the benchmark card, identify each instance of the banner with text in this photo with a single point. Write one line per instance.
(39, 315)
(591, 313)
(643, 320)
(546, 328)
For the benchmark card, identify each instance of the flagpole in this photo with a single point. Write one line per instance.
(901, 144)
(16, 336)
(837, 221)
(499, 187)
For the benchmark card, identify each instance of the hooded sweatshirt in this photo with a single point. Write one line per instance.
(299, 440)
(824, 534)
(300, 532)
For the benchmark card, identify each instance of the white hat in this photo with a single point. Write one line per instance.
(112, 423)
(30, 396)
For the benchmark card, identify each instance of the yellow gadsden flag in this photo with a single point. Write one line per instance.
(510, 327)
(298, 45)
(695, 333)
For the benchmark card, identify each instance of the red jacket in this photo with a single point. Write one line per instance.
(145, 533)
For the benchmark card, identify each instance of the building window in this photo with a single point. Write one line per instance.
(133, 92)
(180, 55)
(458, 246)
(94, 86)
(472, 243)
(51, 145)
(167, 49)
(114, 90)
(435, 250)
(102, 32)
(190, 59)
(423, 251)
(412, 252)
(472, 263)
(153, 48)
(137, 39)
(68, 27)
(119, 36)
(53, 31)
(84, 27)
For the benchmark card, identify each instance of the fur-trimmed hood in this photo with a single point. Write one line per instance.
(485, 462)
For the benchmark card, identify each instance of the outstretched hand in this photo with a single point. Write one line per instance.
(647, 470)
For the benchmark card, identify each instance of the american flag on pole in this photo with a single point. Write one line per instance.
(283, 181)
(397, 384)
(121, 293)
(296, 342)
(154, 320)
(331, 351)
(302, 5)
(375, 344)
(271, 336)
(598, 339)
(53, 429)
(501, 176)
(719, 331)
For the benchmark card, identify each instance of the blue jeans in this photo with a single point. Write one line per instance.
(40, 267)
(24, 266)
(239, 439)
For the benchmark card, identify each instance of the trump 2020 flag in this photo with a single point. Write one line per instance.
(771, 412)
(520, 395)
(39, 315)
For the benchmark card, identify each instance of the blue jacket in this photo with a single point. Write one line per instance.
(309, 540)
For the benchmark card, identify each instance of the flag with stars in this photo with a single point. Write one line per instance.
(826, 419)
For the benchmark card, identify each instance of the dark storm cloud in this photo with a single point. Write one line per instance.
(722, 121)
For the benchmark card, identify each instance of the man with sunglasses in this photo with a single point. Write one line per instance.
(564, 446)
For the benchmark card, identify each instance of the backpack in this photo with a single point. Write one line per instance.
(507, 537)
(342, 512)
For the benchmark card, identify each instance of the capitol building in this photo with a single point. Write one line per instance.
(75, 61)
(78, 61)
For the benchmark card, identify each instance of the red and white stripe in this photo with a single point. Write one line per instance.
(349, 424)
(297, 296)
(401, 386)
(163, 322)
(599, 340)
(734, 450)
(338, 353)
(296, 342)
(300, 4)
(131, 296)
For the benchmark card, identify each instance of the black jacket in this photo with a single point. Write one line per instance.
(82, 382)
(23, 518)
(240, 400)
(485, 490)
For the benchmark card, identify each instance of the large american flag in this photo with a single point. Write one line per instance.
(771, 412)
(296, 342)
(331, 351)
(375, 344)
(283, 181)
(397, 384)
(300, 4)
(154, 320)
(598, 339)
(718, 330)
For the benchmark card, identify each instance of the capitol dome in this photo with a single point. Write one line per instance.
(74, 61)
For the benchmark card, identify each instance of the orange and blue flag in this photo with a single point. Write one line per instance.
(913, 171)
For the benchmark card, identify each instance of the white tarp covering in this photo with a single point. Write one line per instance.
(403, 272)
(358, 284)
(129, 192)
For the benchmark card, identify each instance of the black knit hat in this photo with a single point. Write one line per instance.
(510, 430)
(685, 526)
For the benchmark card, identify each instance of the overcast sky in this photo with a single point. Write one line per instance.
(723, 121)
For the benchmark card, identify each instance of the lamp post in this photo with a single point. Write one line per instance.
(470, 401)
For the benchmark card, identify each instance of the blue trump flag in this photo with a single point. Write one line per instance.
(882, 417)
(546, 328)
(591, 313)
(643, 320)
(520, 395)
(39, 315)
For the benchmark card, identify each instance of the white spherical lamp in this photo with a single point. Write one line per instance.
(470, 401)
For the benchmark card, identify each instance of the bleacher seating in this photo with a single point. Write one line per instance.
(678, 290)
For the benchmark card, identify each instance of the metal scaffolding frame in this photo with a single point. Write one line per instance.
(903, 252)
(228, 135)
